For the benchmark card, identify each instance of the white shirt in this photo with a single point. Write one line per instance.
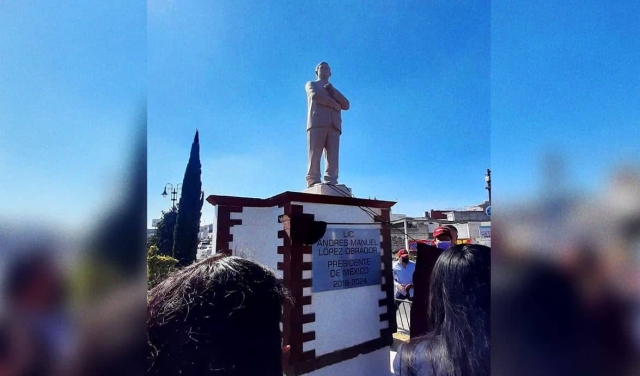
(403, 275)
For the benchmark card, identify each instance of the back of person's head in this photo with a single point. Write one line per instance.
(219, 316)
(460, 285)
(451, 228)
(454, 232)
(459, 309)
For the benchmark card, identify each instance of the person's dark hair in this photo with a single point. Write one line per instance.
(459, 309)
(219, 316)
(452, 228)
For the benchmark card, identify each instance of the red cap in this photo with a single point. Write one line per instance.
(403, 252)
(441, 231)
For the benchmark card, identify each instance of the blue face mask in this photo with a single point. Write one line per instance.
(443, 245)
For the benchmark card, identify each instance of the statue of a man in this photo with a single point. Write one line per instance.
(324, 126)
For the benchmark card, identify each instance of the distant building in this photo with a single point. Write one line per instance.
(467, 216)
(203, 234)
(471, 213)
(436, 215)
(472, 223)
(150, 232)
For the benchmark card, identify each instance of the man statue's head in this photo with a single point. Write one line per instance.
(323, 71)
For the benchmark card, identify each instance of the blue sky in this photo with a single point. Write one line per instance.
(440, 90)
(72, 85)
(416, 74)
(565, 77)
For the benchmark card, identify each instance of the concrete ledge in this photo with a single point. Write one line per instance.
(329, 190)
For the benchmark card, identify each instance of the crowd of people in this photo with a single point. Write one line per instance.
(222, 316)
(241, 301)
(454, 333)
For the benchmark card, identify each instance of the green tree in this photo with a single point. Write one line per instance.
(163, 237)
(158, 266)
(185, 239)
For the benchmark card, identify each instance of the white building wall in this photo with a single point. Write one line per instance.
(463, 230)
(474, 230)
(214, 234)
(257, 237)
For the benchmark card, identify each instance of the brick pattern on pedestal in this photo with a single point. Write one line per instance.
(293, 318)
(387, 286)
(223, 232)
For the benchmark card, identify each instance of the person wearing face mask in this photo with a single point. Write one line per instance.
(403, 275)
(454, 234)
(443, 237)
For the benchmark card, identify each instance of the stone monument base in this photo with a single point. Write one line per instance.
(263, 231)
(329, 190)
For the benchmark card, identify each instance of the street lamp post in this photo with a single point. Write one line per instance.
(487, 179)
(174, 193)
(406, 238)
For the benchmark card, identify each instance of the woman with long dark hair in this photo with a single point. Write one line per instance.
(459, 309)
(219, 316)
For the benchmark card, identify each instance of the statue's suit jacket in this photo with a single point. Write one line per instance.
(320, 106)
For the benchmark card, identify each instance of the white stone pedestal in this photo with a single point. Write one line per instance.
(343, 331)
(329, 190)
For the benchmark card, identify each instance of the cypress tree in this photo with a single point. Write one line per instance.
(185, 236)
